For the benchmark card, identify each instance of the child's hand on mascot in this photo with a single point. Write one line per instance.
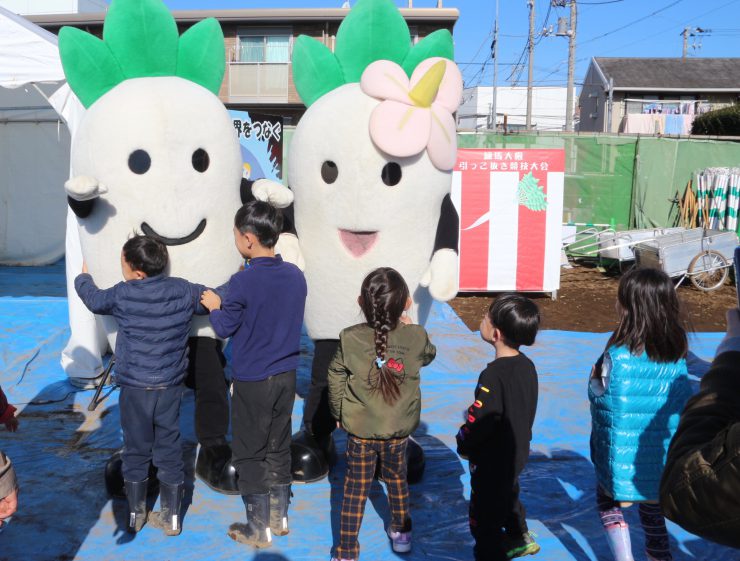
(84, 188)
(277, 194)
(441, 276)
(84, 267)
(210, 300)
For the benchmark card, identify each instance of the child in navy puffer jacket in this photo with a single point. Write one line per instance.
(637, 391)
(153, 313)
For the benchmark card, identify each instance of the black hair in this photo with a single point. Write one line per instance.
(146, 254)
(651, 319)
(261, 219)
(383, 298)
(517, 318)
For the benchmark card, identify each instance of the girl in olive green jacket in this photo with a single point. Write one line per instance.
(374, 395)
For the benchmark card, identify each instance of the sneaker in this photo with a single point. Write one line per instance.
(401, 541)
(519, 547)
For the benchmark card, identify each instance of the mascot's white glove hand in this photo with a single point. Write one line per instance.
(277, 194)
(442, 276)
(84, 188)
(288, 247)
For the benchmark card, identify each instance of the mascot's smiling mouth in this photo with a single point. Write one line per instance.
(358, 243)
(149, 231)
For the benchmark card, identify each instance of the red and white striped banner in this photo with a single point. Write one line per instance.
(511, 211)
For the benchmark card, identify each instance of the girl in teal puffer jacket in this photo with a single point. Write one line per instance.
(637, 391)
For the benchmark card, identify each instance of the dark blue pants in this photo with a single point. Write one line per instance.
(150, 420)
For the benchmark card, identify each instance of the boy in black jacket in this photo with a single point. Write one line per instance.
(495, 437)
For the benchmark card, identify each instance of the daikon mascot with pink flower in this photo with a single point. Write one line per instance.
(370, 163)
(370, 167)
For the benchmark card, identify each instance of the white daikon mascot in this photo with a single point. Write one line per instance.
(156, 153)
(371, 168)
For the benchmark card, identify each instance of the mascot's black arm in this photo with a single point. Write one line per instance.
(448, 228)
(82, 209)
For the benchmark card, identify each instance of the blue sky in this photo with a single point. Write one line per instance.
(646, 28)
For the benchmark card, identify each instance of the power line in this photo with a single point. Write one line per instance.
(519, 66)
(600, 3)
(630, 24)
(666, 30)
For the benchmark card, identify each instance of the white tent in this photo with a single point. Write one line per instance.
(34, 164)
(34, 145)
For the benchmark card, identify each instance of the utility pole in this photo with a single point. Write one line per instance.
(691, 32)
(571, 66)
(530, 75)
(494, 55)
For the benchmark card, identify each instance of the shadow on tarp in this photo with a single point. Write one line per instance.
(60, 473)
(34, 281)
(437, 504)
(559, 494)
(60, 452)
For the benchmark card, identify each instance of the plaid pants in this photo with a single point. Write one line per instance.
(362, 458)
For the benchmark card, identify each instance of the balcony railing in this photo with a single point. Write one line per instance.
(259, 81)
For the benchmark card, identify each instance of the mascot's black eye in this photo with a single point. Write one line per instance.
(329, 172)
(391, 174)
(201, 161)
(139, 162)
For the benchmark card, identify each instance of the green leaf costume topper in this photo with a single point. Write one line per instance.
(140, 39)
(373, 30)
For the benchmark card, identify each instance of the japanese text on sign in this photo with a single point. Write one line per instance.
(261, 130)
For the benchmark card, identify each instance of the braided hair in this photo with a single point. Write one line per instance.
(383, 298)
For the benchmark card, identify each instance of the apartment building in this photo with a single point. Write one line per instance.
(259, 45)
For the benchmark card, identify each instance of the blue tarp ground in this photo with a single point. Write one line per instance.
(60, 450)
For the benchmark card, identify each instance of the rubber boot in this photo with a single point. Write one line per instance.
(279, 501)
(618, 536)
(136, 495)
(214, 468)
(168, 518)
(256, 531)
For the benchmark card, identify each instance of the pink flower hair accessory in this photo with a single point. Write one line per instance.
(415, 114)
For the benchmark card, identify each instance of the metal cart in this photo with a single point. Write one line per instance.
(704, 256)
(615, 245)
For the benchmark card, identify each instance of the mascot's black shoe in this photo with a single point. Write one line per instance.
(214, 468)
(311, 457)
(114, 478)
(415, 462)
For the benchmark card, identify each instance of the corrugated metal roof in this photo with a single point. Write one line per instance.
(254, 16)
(704, 74)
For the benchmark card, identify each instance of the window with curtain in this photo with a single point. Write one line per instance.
(265, 46)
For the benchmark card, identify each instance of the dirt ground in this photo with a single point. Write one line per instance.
(586, 303)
